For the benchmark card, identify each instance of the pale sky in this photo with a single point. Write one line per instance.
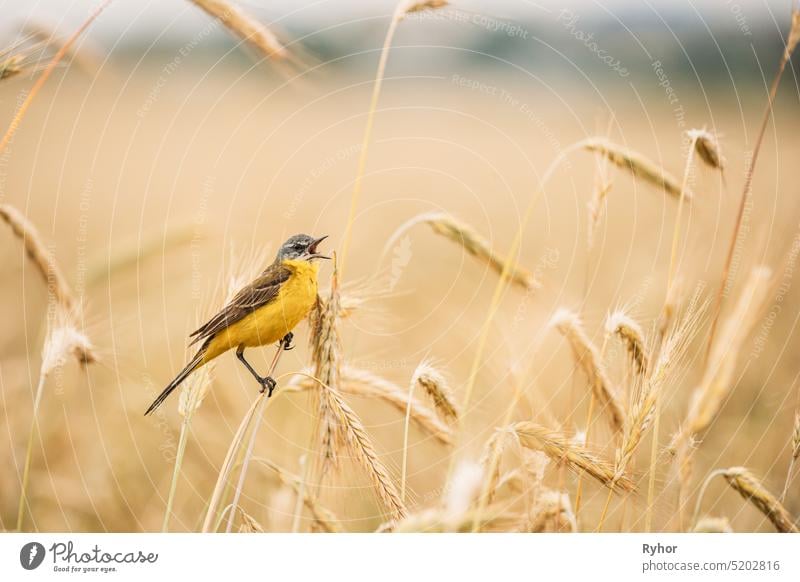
(131, 18)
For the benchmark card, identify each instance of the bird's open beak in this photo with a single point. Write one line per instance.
(312, 249)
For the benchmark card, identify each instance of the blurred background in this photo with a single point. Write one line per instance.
(166, 151)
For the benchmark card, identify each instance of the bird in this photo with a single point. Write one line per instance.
(263, 312)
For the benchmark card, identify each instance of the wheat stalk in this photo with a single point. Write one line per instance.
(630, 333)
(403, 7)
(638, 165)
(717, 379)
(39, 255)
(364, 383)
(471, 241)
(46, 72)
(61, 341)
(245, 27)
(438, 390)
(588, 358)
(749, 487)
(552, 513)
(706, 146)
(322, 517)
(490, 462)
(327, 359)
(791, 45)
(562, 449)
(359, 443)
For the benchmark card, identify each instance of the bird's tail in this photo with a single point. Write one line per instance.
(197, 360)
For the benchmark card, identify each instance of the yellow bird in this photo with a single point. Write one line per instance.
(263, 312)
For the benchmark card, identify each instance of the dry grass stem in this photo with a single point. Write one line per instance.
(562, 449)
(249, 524)
(749, 487)
(588, 359)
(438, 390)
(245, 27)
(637, 164)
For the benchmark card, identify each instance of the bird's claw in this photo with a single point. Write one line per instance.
(267, 384)
(286, 342)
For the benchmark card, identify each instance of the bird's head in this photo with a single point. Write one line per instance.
(300, 247)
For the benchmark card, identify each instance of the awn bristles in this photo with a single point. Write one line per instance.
(561, 449)
(360, 444)
(637, 164)
(588, 358)
(749, 487)
(438, 390)
(326, 355)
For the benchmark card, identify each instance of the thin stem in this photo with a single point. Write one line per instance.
(176, 471)
(366, 140)
(788, 480)
(743, 202)
(702, 493)
(407, 423)
(17, 119)
(301, 494)
(23, 497)
(251, 444)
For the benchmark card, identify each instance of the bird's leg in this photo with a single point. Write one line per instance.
(286, 342)
(267, 382)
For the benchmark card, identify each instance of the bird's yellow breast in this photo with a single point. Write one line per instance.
(270, 323)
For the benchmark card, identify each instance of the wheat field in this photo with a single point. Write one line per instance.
(536, 321)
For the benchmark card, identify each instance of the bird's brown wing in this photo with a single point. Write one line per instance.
(262, 291)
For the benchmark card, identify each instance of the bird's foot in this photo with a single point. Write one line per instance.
(286, 342)
(268, 384)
